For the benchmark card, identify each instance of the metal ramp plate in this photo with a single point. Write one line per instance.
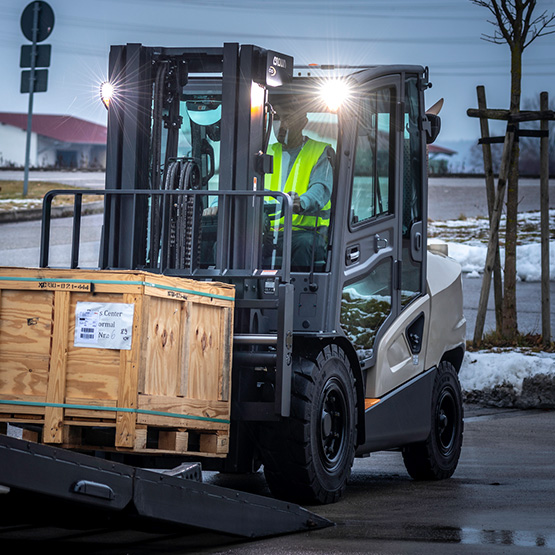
(96, 482)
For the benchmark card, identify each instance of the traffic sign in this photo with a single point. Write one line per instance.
(40, 81)
(45, 21)
(42, 55)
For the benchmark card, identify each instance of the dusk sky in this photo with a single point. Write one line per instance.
(442, 34)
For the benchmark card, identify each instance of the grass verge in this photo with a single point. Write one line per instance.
(11, 194)
(530, 341)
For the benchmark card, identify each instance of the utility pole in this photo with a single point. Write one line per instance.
(37, 22)
(31, 92)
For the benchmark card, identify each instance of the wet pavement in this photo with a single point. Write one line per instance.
(501, 499)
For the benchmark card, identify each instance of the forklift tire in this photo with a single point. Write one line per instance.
(308, 456)
(437, 457)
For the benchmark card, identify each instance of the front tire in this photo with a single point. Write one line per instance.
(308, 456)
(438, 456)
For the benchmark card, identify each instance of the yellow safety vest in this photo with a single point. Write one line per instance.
(298, 180)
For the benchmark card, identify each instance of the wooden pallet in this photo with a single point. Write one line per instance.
(100, 436)
(174, 372)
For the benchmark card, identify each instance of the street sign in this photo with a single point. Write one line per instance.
(41, 81)
(37, 22)
(42, 56)
(45, 21)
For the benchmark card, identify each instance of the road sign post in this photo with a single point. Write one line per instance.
(37, 22)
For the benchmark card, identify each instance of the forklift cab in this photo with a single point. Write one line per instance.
(207, 122)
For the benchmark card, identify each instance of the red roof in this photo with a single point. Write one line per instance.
(436, 149)
(61, 128)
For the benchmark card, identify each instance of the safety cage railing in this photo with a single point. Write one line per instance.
(171, 232)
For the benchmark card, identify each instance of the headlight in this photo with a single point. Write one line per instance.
(106, 93)
(335, 92)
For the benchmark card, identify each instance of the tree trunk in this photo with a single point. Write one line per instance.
(510, 325)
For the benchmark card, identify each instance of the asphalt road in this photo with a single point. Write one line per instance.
(85, 180)
(451, 198)
(501, 499)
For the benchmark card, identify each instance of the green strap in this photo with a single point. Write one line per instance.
(114, 409)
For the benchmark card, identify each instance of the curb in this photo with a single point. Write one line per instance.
(31, 214)
(537, 392)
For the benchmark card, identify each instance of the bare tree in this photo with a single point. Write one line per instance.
(515, 25)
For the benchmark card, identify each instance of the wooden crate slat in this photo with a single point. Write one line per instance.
(53, 416)
(210, 415)
(25, 322)
(163, 346)
(129, 379)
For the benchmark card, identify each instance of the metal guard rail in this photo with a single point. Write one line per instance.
(227, 200)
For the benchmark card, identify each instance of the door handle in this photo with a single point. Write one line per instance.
(379, 243)
(352, 255)
(417, 241)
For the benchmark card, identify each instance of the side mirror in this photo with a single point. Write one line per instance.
(432, 131)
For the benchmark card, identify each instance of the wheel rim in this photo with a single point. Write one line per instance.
(446, 422)
(332, 425)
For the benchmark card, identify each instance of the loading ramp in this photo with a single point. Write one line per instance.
(174, 497)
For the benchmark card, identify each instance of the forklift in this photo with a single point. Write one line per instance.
(352, 347)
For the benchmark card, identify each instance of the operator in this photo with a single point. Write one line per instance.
(303, 169)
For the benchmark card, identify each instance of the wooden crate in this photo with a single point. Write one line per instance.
(158, 381)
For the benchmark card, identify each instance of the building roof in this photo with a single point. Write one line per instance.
(67, 129)
(436, 149)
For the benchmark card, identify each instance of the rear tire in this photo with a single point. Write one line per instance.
(308, 456)
(438, 456)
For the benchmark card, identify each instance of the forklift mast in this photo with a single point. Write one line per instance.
(197, 120)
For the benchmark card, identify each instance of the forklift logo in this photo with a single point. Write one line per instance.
(277, 62)
(280, 62)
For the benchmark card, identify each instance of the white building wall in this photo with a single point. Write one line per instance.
(12, 146)
(45, 152)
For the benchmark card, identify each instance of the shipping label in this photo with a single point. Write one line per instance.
(104, 325)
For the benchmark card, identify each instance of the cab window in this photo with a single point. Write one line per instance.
(373, 170)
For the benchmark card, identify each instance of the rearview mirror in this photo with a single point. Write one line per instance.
(432, 131)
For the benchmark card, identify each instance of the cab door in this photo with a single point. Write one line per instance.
(384, 300)
(371, 273)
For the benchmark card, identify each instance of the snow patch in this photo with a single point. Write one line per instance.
(472, 259)
(484, 369)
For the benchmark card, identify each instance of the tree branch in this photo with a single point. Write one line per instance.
(509, 16)
(507, 11)
(541, 26)
(501, 21)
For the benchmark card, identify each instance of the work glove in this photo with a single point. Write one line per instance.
(297, 208)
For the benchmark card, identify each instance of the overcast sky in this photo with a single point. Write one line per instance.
(442, 34)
